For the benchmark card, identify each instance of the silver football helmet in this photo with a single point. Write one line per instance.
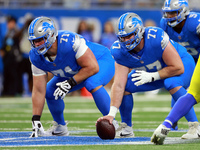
(45, 29)
(130, 24)
(180, 7)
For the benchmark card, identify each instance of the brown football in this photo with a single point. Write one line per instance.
(105, 130)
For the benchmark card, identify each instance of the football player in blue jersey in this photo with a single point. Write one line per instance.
(74, 62)
(156, 62)
(183, 27)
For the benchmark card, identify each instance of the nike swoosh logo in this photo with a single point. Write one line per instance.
(125, 134)
(60, 133)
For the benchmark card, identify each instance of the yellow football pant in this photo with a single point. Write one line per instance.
(194, 88)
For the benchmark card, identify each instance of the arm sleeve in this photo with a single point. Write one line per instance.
(36, 71)
(79, 46)
(165, 40)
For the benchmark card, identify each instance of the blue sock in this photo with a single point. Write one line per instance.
(102, 100)
(175, 125)
(126, 109)
(191, 115)
(56, 108)
(182, 91)
(181, 107)
(172, 102)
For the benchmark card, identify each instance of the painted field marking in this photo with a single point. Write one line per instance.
(20, 139)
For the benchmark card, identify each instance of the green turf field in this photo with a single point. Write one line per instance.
(81, 113)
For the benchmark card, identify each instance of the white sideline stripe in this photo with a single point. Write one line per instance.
(81, 122)
(78, 99)
(80, 111)
(83, 131)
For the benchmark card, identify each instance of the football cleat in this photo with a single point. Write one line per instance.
(124, 131)
(160, 134)
(193, 132)
(57, 129)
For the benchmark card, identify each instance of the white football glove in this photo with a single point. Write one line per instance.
(143, 77)
(64, 88)
(38, 129)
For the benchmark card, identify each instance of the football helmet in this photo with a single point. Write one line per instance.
(42, 28)
(180, 7)
(130, 24)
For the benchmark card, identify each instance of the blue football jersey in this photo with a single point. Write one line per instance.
(189, 36)
(150, 57)
(65, 64)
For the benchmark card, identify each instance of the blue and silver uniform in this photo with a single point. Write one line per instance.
(189, 35)
(65, 64)
(150, 59)
(71, 46)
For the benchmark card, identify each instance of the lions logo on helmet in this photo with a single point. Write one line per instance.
(42, 27)
(178, 7)
(128, 24)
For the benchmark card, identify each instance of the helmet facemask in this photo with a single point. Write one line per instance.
(133, 42)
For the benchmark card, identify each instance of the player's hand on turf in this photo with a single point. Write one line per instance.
(142, 77)
(64, 88)
(38, 129)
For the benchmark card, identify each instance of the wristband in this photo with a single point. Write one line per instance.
(36, 118)
(72, 82)
(155, 76)
(113, 111)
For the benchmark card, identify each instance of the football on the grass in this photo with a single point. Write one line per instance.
(105, 130)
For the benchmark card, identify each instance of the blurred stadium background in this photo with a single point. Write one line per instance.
(69, 13)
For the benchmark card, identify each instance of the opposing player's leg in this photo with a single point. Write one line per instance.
(182, 106)
(195, 98)
(190, 116)
(160, 134)
(175, 125)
